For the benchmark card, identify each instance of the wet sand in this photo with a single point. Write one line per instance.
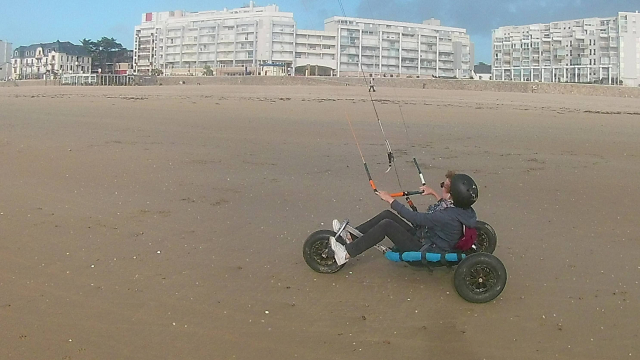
(168, 223)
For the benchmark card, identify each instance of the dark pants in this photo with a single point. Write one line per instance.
(372, 88)
(385, 224)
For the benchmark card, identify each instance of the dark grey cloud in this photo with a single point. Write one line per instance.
(479, 17)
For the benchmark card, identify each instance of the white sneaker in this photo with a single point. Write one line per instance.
(345, 234)
(339, 251)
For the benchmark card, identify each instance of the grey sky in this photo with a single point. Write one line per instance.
(479, 17)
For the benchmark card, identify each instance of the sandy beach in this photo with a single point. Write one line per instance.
(167, 222)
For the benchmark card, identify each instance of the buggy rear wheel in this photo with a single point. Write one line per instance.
(487, 239)
(480, 278)
(317, 252)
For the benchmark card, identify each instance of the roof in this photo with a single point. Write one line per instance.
(58, 46)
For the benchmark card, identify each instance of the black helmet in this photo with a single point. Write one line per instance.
(464, 191)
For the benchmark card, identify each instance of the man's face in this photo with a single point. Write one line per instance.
(446, 187)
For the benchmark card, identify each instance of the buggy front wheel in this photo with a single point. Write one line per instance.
(317, 252)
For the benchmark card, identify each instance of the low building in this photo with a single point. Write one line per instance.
(273, 70)
(53, 59)
(482, 71)
(125, 68)
(114, 63)
(5, 60)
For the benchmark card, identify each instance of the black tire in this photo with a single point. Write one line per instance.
(318, 254)
(487, 239)
(480, 278)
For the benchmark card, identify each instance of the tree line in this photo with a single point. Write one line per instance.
(104, 51)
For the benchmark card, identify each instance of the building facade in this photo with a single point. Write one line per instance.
(183, 43)
(315, 53)
(5, 60)
(400, 48)
(594, 50)
(54, 59)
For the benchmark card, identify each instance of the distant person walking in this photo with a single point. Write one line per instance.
(372, 86)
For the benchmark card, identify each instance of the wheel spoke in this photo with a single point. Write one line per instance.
(480, 279)
(320, 252)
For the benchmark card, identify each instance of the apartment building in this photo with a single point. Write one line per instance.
(315, 53)
(179, 43)
(183, 43)
(401, 48)
(5, 60)
(57, 58)
(594, 50)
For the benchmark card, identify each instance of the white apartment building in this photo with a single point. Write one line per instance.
(37, 60)
(5, 60)
(594, 50)
(315, 53)
(401, 48)
(178, 42)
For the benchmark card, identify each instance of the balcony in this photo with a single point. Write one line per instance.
(614, 44)
(245, 30)
(282, 30)
(560, 53)
(604, 44)
(410, 55)
(446, 65)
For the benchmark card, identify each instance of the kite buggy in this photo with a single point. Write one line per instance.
(479, 276)
(447, 234)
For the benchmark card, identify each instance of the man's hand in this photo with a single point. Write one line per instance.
(385, 196)
(429, 191)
